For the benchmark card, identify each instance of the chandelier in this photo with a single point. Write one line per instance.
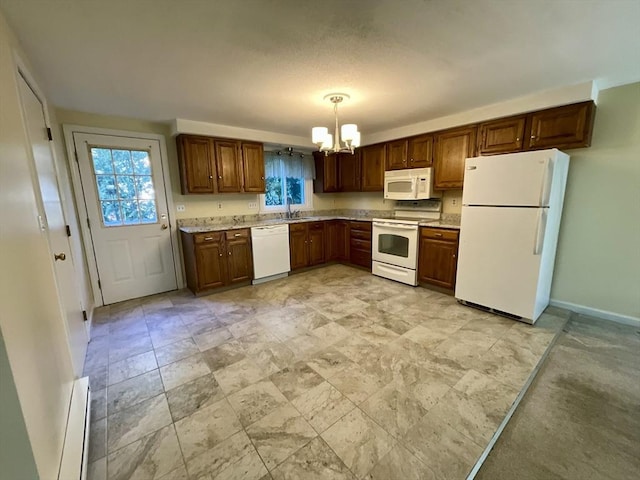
(349, 133)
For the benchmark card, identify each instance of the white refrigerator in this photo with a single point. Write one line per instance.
(511, 210)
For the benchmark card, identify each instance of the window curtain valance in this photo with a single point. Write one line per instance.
(284, 165)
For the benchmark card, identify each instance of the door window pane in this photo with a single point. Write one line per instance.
(125, 187)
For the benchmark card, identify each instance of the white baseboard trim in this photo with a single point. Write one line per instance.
(75, 452)
(594, 312)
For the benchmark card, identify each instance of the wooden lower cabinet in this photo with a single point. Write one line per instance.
(438, 257)
(306, 244)
(335, 240)
(217, 259)
(360, 244)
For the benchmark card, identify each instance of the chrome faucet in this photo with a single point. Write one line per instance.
(290, 213)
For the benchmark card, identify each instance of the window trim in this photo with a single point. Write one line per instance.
(303, 207)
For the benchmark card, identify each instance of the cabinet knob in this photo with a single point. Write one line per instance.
(220, 254)
(412, 160)
(438, 235)
(220, 176)
(229, 253)
(210, 176)
(262, 178)
(454, 255)
(517, 139)
(207, 239)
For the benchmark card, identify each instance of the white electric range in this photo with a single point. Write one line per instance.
(395, 240)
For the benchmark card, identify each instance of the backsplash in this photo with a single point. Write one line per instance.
(237, 219)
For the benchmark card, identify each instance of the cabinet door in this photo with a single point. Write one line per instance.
(298, 247)
(229, 166)
(348, 172)
(253, 167)
(335, 240)
(453, 147)
(195, 155)
(501, 136)
(326, 173)
(437, 262)
(372, 159)
(565, 127)
(396, 155)
(239, 263)
(210, 265)
(316, 243)
(420, 151)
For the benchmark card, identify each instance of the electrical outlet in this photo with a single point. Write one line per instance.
(180, 208)
(253, 205)
(454, 201)
(219, 205)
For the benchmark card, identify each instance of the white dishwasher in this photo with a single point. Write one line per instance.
(270, 245)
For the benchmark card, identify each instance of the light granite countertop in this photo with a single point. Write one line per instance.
(282, 221)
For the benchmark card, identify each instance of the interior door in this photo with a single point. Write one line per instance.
(55, 224)
(126, 204)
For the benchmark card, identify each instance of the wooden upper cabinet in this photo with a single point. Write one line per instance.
(253, 167)
(397, 155)
(372, 160)
(348, 172)
(228, 165)
(420, 151)
(501, 136)
(566, 127)
(452, 148)
(326, 173)
(197, 167)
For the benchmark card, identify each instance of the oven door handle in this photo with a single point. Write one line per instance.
(395, 226)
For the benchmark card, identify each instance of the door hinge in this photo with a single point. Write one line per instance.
(49, 135)
(99, 285)
(88, 223)
(84, 315)
(68, 230)
(75, 154)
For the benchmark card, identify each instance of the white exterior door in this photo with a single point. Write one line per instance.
(126, 204)
(499, 258)
(55, 225)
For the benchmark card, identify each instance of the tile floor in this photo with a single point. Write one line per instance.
(588, 394)
(329, 374)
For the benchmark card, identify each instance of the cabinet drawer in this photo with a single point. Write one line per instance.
(361, 234)
(362, 226)
(316, 226)
(439, 234)
(297, 227)
(361, 257)
(231, 234)
(207, 237)
(361, 244)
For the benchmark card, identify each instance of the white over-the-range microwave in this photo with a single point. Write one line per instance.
(408, 184)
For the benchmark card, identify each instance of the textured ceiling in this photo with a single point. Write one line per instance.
(266, 64)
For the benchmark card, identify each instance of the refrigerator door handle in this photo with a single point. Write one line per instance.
(541, 226)
(544, 185)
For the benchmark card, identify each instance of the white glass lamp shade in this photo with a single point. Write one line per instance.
(355, 141)
(319, 135)
(348, 131)
(327, 144)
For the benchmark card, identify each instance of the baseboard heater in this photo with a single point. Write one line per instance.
(75, 452)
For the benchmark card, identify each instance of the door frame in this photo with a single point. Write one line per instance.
(69, 130)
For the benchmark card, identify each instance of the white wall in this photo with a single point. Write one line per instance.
(598, 259)
(31, 321)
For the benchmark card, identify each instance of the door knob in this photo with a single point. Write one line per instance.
(60, 256)
(164, 226)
